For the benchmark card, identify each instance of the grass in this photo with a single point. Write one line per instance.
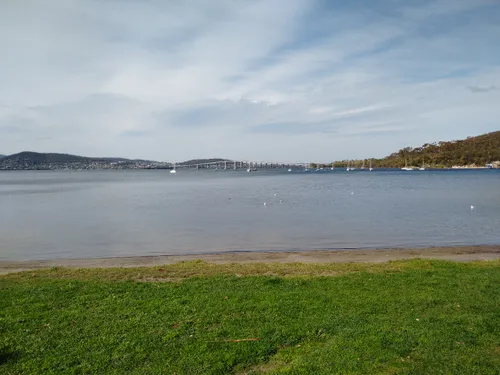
(404, 317)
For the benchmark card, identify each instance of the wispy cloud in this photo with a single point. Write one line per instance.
(482, 89)
(275, 79)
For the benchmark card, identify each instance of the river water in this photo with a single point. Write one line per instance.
(49, 215)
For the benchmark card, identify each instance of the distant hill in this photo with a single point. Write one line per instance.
(479, 150)
(37, 157)
(202, 161)
(28, 160)
(473, 151)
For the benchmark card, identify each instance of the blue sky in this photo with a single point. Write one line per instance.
(274, 80)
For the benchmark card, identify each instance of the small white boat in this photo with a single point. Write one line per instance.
(173, 171)
(289, 169)
(406, 168)
(422, 168)
(371, 169)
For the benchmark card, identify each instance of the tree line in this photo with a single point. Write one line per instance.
(473, 151)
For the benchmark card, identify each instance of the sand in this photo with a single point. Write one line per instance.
(460, 254)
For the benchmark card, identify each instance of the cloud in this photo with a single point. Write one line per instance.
(477, 89)
(263, 80)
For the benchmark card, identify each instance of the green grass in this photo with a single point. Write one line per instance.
(409, 317)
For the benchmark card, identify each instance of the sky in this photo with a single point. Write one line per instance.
(273, 80)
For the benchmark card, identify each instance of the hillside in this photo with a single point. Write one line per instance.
(28, 160)
(35, 157)
(473, 151)
(58, 158)
(479, 150)
(203, 161)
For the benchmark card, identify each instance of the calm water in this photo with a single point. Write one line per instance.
(46, 215)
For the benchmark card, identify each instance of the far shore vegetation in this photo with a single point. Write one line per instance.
(401, 317)
(473, 151)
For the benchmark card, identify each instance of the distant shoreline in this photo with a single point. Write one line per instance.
(456, 253)
(339, 168)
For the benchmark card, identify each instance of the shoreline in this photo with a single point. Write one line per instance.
(453, 253)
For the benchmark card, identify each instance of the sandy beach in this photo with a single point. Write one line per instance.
(459, 254)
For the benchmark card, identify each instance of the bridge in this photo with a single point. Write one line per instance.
(246, 165)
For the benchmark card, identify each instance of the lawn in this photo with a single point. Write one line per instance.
(405, 317)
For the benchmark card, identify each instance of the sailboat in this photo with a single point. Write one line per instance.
(173, 171)
(348, 166)
(422, 168)
(406, 168)
(371, 169)
(363, 166)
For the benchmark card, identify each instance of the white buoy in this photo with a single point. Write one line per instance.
(281, 201)
(352, 192)
(472, 208)
(265, 203)
(275, 194)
